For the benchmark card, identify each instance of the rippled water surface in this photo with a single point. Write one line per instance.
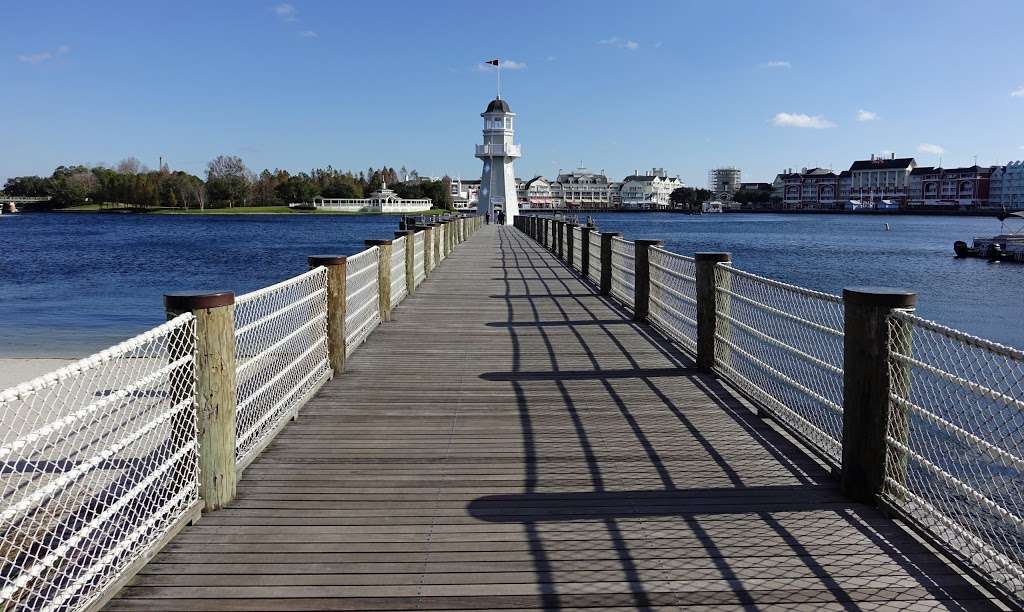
(71, 284)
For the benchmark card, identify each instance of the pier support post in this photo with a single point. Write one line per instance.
(383, 276)
(436, 242)
(215, 384)
(428, 232)
(560, 234)
(606, 261)
(337, 277)
(642, 277)
(707, 306)
(410, 241)
(869, 375)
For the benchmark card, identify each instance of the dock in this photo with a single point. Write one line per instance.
(512, 439)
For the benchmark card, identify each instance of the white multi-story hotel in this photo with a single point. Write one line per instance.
(1006, 186)
(648, 191)
(582, 188)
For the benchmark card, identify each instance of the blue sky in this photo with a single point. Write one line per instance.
(680, 85)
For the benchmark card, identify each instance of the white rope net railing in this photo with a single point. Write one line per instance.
(418, 271)
(955, 463)
(594, 265)
(623, 271)
(399, 288)
(280, 356)
(362, 303)
(576, 257)
(673, 296)
(98, 462)
(440, 235)
(783, 345)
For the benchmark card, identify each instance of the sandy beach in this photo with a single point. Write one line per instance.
(14, 371)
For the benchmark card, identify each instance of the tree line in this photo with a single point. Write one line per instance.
(228, 183)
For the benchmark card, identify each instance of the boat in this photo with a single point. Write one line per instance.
(1005, 246)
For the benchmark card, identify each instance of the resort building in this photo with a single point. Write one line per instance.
(465, 193)
(881, 182)
(584, 189)
(810, 188)
(723, 182)
(648, 191)
(382, 201)
(949, 187)
(534, 193)
(1006, 186)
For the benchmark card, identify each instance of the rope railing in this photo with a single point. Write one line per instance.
(399, 287)
(362, 310)
(418, 269)
(100, 465)
(594, 267)
(577, 248)
(623, 264)
(784, 345)
(673, 307)
(101, 459)
(280, 356)
(955, 461)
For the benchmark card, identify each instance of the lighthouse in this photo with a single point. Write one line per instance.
(498, 152)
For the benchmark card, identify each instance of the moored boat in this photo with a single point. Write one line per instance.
(1001, 247)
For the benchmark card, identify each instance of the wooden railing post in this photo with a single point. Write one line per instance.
(428, 232)
(437, 246)
(337, 276)
(869, 376)
(707, 306)
(642, 277)
(383, 276)
(410, 241)
(545, 230)
(606, 261)
(215, 384)
(560, 238)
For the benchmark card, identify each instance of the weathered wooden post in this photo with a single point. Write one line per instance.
(428, 248)
(215, 380)
(410, 242)
(869, 376)
(642, 277)
(560, 236)
(337, 277)
(570, 242)
(383, 276)
(606, 261)
(707, 306)
(585, 250)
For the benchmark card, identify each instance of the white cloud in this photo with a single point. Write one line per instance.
(801, 120)
(43, 56)
(285, 11)
(931, 149)
(1018, 93)
(506, 64)
(620, 43)
(865, 115)
(308, 34)
(778, 64)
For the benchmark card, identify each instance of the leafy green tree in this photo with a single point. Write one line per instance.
(227, 181)
(297, 189)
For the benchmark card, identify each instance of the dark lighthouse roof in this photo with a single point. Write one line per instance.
(497, 105)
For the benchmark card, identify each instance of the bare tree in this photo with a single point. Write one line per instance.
(131, 165)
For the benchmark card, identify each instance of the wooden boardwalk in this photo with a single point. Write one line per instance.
(512, 441)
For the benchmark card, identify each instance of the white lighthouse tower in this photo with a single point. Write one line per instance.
(498, 152)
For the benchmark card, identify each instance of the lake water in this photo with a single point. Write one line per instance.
(71, 284)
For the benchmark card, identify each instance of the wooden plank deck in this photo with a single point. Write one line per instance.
(512, 441)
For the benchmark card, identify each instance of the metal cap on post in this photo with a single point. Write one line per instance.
(707, 306)
(869, 374)
(337, 277)
(606, 261)
(642, 277)
(410, 242)
(383, 276)
(215, 389)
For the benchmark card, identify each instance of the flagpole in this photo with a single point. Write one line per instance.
(498, 67)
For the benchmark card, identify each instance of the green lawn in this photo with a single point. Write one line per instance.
(246, 210)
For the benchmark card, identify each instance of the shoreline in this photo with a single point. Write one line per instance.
(17, 370)
(253, 210)
(781, 211)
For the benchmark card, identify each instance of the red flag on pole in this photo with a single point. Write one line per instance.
(494, 62)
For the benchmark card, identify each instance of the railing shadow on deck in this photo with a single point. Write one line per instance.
(814, 493)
